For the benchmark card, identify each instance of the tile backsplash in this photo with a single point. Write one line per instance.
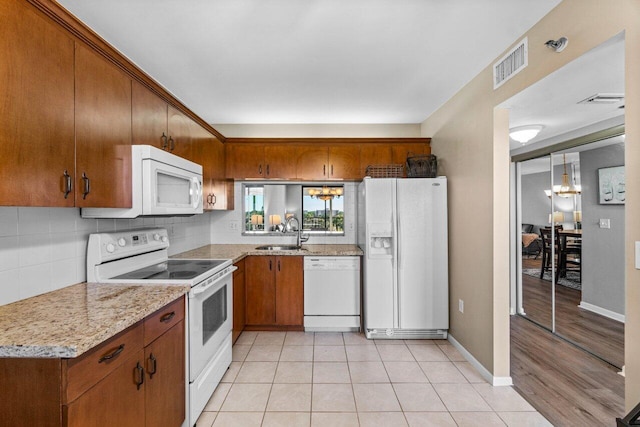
(43, 249)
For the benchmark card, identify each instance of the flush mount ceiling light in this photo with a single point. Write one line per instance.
(558, 45)
(524, 134)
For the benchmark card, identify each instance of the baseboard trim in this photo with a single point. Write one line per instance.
(495, 381)
(602, 311)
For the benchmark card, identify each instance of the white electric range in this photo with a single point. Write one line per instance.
(141, 256)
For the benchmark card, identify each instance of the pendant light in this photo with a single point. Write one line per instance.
(566, 188)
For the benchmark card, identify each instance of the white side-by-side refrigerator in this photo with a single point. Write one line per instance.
(402, 229)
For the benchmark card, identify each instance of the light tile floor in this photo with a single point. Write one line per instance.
(342, 379)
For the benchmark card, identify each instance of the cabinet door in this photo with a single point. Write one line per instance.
(312, 162)
(165, 379)
(245, 161)
(103, 132)
(180, 133)
(344, 162)
(114, 401)
(277, 158)
(148, 118)
(261, 290)
(289, 290)
(36, 111)
(374, 154)
(239, 301)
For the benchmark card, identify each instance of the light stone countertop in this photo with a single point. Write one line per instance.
(237, 252)
(68, 322)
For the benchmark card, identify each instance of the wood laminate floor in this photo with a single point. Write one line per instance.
(600, 335)
(564, 383)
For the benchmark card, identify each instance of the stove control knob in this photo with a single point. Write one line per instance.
(156, 236)
(122, 242)
(111, 247)
(164, 239)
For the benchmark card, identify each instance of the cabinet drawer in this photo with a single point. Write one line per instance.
(162, 320)
(86, 370)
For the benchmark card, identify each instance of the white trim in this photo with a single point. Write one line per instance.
(602, 311)
(495, 381)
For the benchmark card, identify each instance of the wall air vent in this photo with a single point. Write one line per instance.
(511, 64)
(603, 98)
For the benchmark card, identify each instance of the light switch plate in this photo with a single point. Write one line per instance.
(605, 223)
(638, 255)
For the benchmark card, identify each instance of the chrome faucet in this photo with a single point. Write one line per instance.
(300, 237)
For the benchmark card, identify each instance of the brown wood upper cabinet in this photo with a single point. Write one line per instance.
(148, 118)
(208, 151)
(274, 291)
(37, 165)
(317, 162)
(258, 160)
(154, 122)
(103, 132)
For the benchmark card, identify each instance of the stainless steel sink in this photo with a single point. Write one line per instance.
(279, 248)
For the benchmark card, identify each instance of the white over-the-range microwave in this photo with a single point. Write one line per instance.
(162, 184)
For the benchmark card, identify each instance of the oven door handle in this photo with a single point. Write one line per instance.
(202, 289)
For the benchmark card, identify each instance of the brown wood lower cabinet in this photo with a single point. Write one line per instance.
(124, 381)
(274, 292)
(239, 300)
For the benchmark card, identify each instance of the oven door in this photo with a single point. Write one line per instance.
(170, 190)
(210, 319)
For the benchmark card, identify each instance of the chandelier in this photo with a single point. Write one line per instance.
(566, 189)
(325, 193)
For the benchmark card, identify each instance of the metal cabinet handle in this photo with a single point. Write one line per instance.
(269, 265)
(267, 170)
(214, 199)
(331, 170)
(167, 317)
(172, 144)
(68, 183)
(324, 170)
(259, 169)
(278, 265)
(87, 185)
(154, 365)
(165, 142)
(138, 373)
(111, 355)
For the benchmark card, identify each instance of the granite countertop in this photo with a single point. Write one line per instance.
(68, 322)
(237, 252)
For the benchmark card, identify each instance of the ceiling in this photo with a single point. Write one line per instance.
(553, 101)
(312, 61)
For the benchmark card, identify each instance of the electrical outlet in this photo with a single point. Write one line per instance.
(461, 306)
(605, 223)
(233, 225)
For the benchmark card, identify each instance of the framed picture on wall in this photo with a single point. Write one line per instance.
(611, 188)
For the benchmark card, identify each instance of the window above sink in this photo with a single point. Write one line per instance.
(318, 206)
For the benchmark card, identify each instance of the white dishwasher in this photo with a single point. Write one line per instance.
(332, 293)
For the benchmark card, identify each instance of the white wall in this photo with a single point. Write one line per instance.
(222, 230)
(43, 249)
(319, 130)
(602, 248)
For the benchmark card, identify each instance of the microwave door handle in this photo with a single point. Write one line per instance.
(198, 191)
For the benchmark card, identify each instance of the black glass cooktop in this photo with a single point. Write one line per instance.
(176, 269)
